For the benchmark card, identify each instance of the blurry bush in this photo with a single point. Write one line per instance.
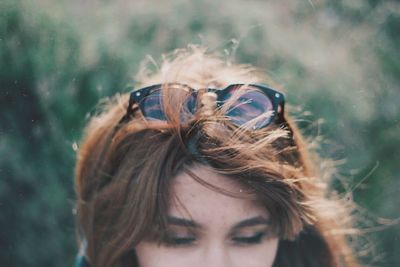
(338, 60)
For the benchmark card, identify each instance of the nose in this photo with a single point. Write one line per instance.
(216, 255)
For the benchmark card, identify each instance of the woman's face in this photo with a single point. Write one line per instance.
(207, 228)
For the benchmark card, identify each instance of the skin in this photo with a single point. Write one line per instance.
(208, 228)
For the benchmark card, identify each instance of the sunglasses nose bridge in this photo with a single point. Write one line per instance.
(208, 103)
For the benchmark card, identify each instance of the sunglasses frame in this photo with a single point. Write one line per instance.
(277, 98)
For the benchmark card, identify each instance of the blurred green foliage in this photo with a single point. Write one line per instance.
(339, 60)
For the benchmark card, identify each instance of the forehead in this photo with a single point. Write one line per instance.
(207, 204)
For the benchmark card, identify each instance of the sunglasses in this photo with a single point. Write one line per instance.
(253, 105)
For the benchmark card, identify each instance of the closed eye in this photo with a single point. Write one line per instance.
(249, 240)
(179, 241)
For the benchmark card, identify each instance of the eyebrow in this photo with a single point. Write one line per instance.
(182, 222)
(254, 221)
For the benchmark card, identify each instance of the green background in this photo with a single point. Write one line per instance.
(338, 60)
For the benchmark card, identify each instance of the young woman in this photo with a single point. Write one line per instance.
(201, 166)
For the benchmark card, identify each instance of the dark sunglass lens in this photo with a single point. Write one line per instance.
(151, 106)
(189, 108)
(250, 106)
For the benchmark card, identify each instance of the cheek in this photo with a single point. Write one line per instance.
(152, 255)
(262, 255)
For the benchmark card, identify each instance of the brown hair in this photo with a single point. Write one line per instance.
(123, 171)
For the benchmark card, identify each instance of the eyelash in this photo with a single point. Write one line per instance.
(250, 240)
(257, 238)
(179, 241)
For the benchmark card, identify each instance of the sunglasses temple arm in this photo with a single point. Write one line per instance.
(282, 121)
(128, 114)
(280, 114)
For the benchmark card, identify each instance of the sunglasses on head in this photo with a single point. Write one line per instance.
(254, 105)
